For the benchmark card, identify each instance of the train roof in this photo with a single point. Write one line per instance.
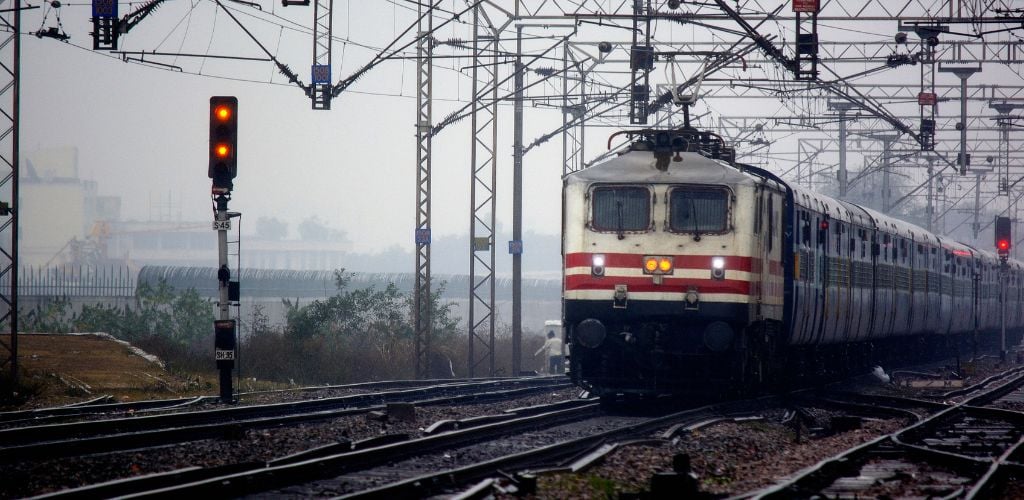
(640, 166)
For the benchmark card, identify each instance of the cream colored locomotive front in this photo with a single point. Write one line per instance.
(666, 268)
(688, 234)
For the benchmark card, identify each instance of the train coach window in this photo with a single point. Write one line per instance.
(700, 210)
(805, 228)
(621, 208)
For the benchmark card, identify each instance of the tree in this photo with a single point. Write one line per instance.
(314, 229)
(271, 228)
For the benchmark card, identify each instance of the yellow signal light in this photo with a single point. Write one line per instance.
(651, 264)
(223, 113)
(665, 265)
(222, 150)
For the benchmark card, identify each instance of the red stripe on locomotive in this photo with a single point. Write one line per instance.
(644, 284)
(633, 260)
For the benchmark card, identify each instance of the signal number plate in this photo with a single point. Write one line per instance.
(223, 355)
(222, 225)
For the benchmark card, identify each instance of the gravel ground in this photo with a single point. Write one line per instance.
(728, 458)
(1014, 488)
(32, 478)
(456, 458)
(973, 373)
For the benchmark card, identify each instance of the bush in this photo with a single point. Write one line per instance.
(355, 335)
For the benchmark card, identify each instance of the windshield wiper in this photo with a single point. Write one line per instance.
(693, 215)
(618, 213)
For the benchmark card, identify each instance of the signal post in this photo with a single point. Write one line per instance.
(223, 168)
(1004, 241)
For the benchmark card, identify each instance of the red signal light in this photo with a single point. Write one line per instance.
(1003, 245)
(823, 225)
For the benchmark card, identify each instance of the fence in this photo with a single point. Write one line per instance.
(74, 281)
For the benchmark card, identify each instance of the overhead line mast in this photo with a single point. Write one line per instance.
(10, 129)
(422, 300)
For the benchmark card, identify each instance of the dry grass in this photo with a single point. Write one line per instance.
(72, 368)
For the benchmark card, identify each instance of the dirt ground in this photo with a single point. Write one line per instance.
(67, 368)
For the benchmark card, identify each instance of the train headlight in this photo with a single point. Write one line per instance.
(654, 264)
(718, 268)
(597, 265)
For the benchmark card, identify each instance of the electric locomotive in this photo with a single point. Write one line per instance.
(685, 272)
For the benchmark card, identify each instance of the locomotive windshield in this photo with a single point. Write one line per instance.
(621, 208)
(698, 210)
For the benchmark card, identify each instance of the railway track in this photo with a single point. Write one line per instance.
(389, 466)
(55, 440)
(968, 449)
(243, 478)
(103, 407)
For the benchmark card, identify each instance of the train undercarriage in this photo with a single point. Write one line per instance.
(710, 357)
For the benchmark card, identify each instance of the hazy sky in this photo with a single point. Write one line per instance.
(142, 132)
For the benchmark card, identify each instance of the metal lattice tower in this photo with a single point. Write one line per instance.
(320, 74)
(641, 61)
(926, 98)
(10, 71)
(574, 108)
(421, 297)
(482, 192)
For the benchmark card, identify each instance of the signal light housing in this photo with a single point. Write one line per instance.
(1003, 237)
(223, 143)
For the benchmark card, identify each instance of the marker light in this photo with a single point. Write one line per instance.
(654, 264)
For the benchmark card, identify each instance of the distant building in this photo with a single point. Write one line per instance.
(65, 221)
(58, 210)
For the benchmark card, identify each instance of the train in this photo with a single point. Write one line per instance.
(685, 271)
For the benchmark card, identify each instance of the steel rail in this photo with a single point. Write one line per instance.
(579, 448)
(151, 482)
(280, 476)
(100, 405)
(814, 479)
(141, 439)
(51, 432)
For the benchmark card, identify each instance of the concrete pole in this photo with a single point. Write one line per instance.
(886, 182)
(223, 278)
(843, 186)
(517, 209)
(963, 126)
(963, 73)
(930, 210)
(976, 226)
(1002, 311)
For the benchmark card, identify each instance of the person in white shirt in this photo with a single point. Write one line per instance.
(556, 359)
